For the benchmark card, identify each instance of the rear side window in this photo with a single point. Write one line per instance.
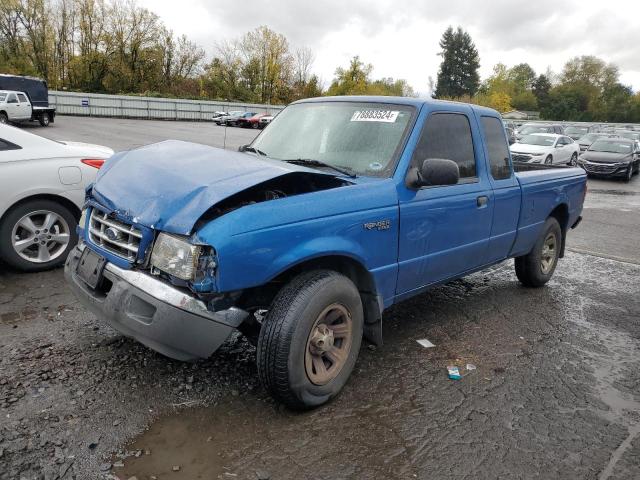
(22, 98)
(447, 135)
(497, 148)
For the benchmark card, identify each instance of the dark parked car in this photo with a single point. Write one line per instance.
(234, 120)
(611, 157)
(529, 128)
(586, 140)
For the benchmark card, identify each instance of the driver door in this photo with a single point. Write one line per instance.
(445, 230)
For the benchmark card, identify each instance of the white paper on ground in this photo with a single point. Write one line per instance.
(425, 343)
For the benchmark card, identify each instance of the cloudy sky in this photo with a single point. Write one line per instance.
(400, 38)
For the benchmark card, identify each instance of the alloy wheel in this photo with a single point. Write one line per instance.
(40, 236)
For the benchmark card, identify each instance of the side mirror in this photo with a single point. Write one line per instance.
(434, 172)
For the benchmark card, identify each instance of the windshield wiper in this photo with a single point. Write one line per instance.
(309, 162)
(248, 148)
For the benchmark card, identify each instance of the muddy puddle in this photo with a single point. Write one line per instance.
(547, 396)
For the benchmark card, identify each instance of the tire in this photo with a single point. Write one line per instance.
(3, 118)
(293, 329)
(629, 174)
(548, 160)
(32, 257)
(574, 159)
(530, 269)
(44, 119)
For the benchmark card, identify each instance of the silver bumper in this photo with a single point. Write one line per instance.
(156, 314)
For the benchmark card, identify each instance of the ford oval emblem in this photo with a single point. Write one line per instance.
(112, 234)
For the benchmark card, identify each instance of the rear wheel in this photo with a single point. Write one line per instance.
(37, 235)
(537, 267)
(309, 342)
(44, 119)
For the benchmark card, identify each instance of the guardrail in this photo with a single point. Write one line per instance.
(123, 106)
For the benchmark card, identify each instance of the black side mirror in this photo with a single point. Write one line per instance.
(434, 172)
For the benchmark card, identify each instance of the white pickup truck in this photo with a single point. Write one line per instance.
(16, 107)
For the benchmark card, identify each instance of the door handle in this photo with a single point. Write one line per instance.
(482, 201)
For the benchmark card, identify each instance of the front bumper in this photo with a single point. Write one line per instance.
(158, 315)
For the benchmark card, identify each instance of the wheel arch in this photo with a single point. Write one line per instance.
(561, 214)
(343, 264)
(73, 208)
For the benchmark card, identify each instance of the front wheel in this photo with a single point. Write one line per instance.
(309, 342)
(537, 267)
(548, 160)
(574, 159)
(3, 118)
(627, 178)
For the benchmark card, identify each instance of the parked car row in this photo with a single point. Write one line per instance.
(239, 118)
(607, 151)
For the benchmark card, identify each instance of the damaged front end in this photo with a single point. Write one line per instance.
(153, 278)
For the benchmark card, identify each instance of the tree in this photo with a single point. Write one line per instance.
(522, 76)
(458, 74)
(356, 80)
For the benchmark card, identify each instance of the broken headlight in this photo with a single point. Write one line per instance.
(175, 256)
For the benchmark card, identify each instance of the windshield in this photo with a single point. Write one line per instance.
(576, 130)
(611, 146)
(591, 137)
(527, 129)
(364, 138)
(538, 140)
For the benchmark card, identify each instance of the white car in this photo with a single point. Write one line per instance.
(42, 190)
(546, 148)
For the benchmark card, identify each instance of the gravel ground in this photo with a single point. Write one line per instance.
(556, 392)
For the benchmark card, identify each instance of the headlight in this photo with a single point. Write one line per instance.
(175, 256)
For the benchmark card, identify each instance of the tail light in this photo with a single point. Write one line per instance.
(93, 162)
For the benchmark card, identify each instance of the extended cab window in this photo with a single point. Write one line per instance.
(448, 136)
(22, 98)
(497, 148)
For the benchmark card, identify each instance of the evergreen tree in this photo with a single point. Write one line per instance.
(458, 74)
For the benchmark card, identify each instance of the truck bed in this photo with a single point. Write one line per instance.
(543, 187)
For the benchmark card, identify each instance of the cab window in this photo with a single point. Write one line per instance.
(448, 136)
(496, 148)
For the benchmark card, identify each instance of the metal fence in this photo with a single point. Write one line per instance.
(123, 106)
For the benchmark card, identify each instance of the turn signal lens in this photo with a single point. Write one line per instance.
(93, 162)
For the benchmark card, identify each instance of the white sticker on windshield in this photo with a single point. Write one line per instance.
(388, 116)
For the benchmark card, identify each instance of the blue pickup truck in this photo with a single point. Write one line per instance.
(339, 209)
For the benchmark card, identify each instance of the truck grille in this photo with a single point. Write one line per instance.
(605, 168)
(113, 235)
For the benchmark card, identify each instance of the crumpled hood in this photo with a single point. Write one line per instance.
(169, 185)
(605, 157)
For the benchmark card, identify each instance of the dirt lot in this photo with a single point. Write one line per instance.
(556, 392)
